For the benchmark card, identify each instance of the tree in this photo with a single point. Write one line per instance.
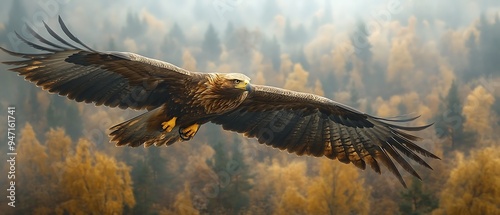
(211, 47)
(135, 27)
(233, 196)
(298, 79)
(474, 185)
(183, 204)
(143, 180)
(32, 164)
(477, 111)
(291, 202)
(65, 115)
(449, 120)
(272, 52)
(359, 40)
(337, 189)
(489, 38)
(416, 200)
(173, 45)
(93, 183)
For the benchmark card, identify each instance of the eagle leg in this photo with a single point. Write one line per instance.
(169, 125)
(189, 132)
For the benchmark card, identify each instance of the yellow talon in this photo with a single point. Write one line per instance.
(169, 125)
(189, 132)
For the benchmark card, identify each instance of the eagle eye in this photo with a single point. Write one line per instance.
(236, 81)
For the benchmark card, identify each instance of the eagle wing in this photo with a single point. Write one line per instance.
(122, 79)
(304, 123)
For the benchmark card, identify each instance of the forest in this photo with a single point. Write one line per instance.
(386, 58)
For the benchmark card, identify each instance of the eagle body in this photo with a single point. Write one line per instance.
(178, 102)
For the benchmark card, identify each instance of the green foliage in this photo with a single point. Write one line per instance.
(211, 45)
(233, 195)
(272, 51)
(449, 121)
(65, 115)
(417, 200)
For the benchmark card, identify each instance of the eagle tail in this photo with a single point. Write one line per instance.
(144, 129)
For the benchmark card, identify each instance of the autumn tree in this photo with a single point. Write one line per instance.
(270, 194)
(93, 183)
(32, 164)
(298, 79)
(58, 147)
(474, 185)
(337, 189)
(183, 204)
(477, 111)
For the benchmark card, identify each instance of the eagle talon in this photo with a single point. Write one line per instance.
(169, 125)
(189, 132)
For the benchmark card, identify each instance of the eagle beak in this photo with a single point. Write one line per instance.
(248, 88)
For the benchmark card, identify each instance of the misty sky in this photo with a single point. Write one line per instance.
(93, 19)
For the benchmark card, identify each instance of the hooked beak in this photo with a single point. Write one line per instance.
(249, 88)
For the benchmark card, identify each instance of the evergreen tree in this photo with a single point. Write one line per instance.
(135, 27)
(489, 38)
(449, 120)
(361, 44)
(416, 200)
(233, 196)
(211, 47)
(230, 40)
(66, 115)
(177, 33)
(173, 45)
(142, 177)
(475, 60)
(272, 51)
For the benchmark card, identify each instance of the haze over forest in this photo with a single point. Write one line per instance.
(437, 59)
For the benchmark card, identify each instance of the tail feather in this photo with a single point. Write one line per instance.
(144, 129)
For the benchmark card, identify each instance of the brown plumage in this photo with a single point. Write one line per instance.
(179, 101)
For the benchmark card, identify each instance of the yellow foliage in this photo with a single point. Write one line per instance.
(474, 185)
(183, 204)
(337, 190)
(400, 60)
(32, 157)
(93, 183)
(58, 144)
(477, 111)
(297, 80)
(291, 202)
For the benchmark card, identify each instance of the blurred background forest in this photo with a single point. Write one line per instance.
(440, 59)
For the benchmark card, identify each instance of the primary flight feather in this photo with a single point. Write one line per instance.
(178, 102)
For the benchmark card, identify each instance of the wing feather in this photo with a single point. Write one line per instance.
(314, 125)
(113, 79)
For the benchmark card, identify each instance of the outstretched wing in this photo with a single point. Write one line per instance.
(113, 79)
(308, 124)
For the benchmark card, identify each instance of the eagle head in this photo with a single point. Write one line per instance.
(236, 81)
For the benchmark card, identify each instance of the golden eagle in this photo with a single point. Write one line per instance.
(179, 101)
